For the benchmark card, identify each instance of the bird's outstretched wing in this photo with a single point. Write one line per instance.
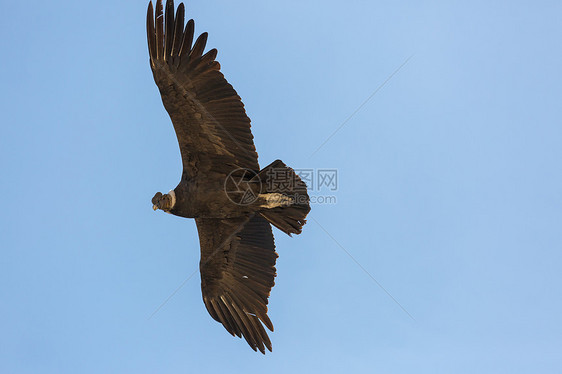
(211, 124)
(237, 274)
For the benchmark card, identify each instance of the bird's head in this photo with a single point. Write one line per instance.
(164, 202)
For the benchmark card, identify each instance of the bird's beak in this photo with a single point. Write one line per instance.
(154, 207)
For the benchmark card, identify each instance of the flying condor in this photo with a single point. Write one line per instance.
(233, 201)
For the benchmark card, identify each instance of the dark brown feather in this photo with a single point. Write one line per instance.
(198, 47)
(178, 32)
(211, 124)
(169, 27)
(187, 38)
(150, 31)
(159, 30)
(229, 248)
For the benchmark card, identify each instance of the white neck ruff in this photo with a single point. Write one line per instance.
(172, 194)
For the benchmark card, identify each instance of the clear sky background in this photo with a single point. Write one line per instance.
(449, 195)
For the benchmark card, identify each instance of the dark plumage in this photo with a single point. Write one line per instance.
(222, 186)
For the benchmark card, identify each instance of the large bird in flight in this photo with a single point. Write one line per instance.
(233, 201)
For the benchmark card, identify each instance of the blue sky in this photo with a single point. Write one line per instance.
(449, 188)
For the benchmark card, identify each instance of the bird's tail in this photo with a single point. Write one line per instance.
(284, 199)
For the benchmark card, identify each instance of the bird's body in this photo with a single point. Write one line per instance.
(222, 186)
